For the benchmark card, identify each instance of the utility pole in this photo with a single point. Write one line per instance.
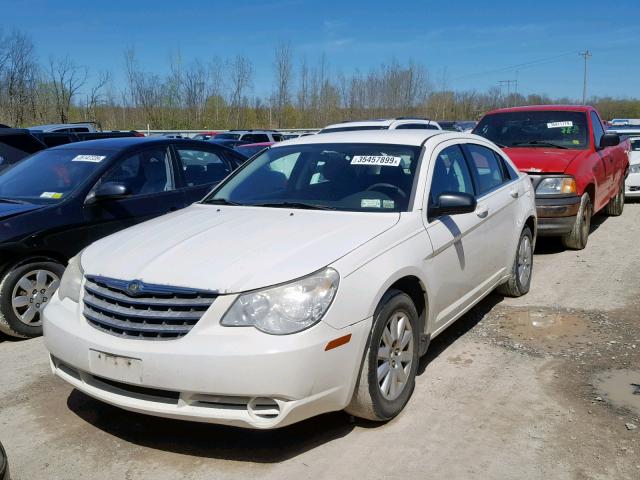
(508, 83)
(586, 54)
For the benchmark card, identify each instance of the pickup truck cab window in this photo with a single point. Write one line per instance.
(598, 131)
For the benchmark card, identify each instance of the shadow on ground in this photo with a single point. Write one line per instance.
(274, 446)
(550, 245)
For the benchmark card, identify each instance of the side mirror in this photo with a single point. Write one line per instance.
(453, 203)
(609, 140)
(111, 191)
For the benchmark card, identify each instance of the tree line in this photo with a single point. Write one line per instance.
(219, 93)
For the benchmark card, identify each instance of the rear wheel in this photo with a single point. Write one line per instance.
(520, 279)
(24, 292)
(616, 205)
(387, 377)
(577, 238)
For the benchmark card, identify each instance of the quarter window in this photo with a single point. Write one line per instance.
(200, 167)
(144, 173)
(450, 174)
(486, 168)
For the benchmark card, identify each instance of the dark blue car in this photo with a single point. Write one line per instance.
(57, 201)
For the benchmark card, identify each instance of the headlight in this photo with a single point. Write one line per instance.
(634, 168)
(287, 308)
(557, 186)
(71, 280)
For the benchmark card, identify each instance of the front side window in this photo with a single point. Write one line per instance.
(200, 167)
(143, 173)
(341, 176)
(543, 129)
(227, 136)
(51, 175)
(486, 168)
(450, 174)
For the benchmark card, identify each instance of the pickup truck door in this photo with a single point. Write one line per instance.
(604, 169)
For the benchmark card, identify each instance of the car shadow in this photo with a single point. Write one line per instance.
(551, 245)
(230, 443)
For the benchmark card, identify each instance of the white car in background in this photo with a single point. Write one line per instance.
(632, 183)
(400, 123)
(311, 280)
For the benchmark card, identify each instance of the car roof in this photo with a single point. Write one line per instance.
(120, 143)
(543, 108)
(392, 137)
(380, 122)
(60, 125)
(259, 144)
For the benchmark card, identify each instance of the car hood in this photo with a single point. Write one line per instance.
(8, 210)
(232, 249)
(634, 158)
(544, 160)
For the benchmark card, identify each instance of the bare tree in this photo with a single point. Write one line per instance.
(18, 76)
(241, 72)
(95, 96)
(283, 68)
(66, 79)
(196, 91)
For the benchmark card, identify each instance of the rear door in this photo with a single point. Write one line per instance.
(201, 167)
(150, 174)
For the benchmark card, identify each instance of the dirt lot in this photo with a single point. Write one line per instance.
(534, 388)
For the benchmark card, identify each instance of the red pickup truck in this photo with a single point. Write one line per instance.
(576, 168)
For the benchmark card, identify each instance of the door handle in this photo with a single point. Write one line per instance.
(514, 193)
(482, 211)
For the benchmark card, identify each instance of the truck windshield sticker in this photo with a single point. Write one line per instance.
(89, 158)
(559, 124)
(50, 195)
(383, 160)
(370, 203)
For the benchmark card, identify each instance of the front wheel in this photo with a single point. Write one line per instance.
(24, 292)
(577, 238)
(387, 377)
(520, 279)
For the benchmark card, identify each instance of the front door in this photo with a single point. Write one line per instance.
(149, 176)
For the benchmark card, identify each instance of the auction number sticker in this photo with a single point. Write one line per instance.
(383, 160)
(89, 158)
(559, 124)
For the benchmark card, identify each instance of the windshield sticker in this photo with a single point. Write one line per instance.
(559, 124)
(383, 160)
(370, 203)
(89, 158)
(50, 195)
(388, 204)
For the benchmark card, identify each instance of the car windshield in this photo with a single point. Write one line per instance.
(562, 129)
(354, 177)
(49, 176)
(227, 136)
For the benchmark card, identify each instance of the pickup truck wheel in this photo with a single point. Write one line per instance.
(616, 205)
(520, 280)
(388, 372)
(24, 292)
(579, 235)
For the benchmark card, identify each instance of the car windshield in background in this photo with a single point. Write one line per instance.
(49, 176)
(250, 151)
(227, 136)
(340, 176)
(353, 129)
(546, 129)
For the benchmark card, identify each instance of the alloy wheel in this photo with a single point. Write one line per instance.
(31, 294)
(395, 355)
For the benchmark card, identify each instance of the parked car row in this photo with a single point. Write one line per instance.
(309, 278)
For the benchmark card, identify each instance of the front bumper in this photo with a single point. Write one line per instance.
(632, 186)
(556, 216)
(233, 376)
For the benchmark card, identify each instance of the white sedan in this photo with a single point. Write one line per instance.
(311, 280)
(632, 182)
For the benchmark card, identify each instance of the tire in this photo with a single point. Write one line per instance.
(616, 205)
(23, 318)
(577, 238)
(522, 269)
(369, 400)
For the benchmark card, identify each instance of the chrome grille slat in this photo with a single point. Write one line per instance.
(149, 312)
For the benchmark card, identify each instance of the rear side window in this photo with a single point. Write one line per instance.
(255, 137)
(509, 172)
(200, 167)
(412, 126)
(486, 168)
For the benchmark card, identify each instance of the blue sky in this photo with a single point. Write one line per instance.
(471, 44)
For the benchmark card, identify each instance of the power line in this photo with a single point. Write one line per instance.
(508, 83)
(586, 54)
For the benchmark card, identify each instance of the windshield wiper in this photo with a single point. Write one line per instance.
(540, 143)
(308, 206)
(12, 200)
(222, 201)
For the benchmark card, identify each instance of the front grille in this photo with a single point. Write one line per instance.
(134, 309)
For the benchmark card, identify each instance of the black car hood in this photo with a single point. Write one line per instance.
(8, 210)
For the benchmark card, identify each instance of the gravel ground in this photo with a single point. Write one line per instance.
(539, 387)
